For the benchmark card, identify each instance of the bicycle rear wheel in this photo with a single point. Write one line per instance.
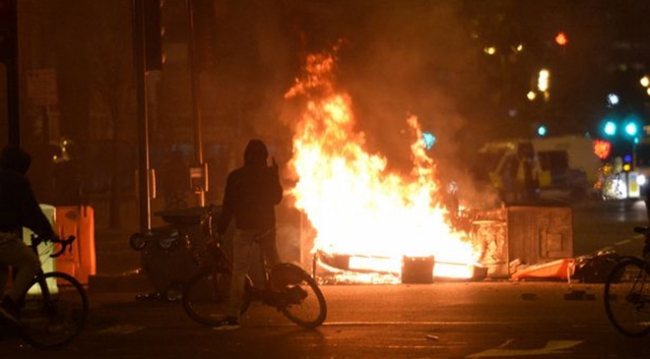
(627, 297)
(206, 296)
(305, 304)
(49, 321)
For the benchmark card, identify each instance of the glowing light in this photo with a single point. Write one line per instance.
(613, 99)
(543, 80)
(490, 50)
(356, 206)
(531, 95)
(645, 81)
(429, 139)
(520, 48)
(610, 128)
(641, 180)
(602, 148)
(631, 129)
(561, 39)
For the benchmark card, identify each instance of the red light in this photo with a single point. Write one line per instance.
(561, 39)
(602, 149)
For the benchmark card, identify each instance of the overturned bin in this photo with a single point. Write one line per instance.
(523, 236)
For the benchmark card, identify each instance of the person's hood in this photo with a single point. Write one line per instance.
(255, 153)
(14, 158)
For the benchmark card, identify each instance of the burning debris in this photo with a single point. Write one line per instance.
(366, 218)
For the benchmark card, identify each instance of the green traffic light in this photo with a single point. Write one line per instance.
(631, 129)
(610, 128)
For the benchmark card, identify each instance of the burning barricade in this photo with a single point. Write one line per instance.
(365, 223)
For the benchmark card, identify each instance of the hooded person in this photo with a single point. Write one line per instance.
(18, 208)
(251, 194)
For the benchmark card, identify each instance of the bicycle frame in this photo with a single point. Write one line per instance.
(35, 241)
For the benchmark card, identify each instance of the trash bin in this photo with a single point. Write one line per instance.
(417, 270)
(166, 260)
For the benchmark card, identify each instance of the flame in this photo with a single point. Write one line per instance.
(357, 206)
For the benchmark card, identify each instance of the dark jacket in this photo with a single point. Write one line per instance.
(251, 192)
(18, 205)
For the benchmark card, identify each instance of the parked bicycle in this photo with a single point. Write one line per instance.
(627, 292)
(55, 307)
(288, 288)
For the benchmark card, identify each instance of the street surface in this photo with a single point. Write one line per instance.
(487, 319)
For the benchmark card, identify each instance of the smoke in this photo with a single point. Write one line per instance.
(397, 59)
(416, 57)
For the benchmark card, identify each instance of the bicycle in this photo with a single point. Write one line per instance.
(288, 287)
(627, 292)
(54, 309)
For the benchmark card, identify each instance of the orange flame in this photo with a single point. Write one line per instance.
(355, 204)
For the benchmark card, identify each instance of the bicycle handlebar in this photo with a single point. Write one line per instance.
(64, 242)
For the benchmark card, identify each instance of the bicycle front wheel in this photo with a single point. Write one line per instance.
(53, 316)
(206, 297)
(627, 297)
(305, 304)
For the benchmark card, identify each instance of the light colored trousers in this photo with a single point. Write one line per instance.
(20, 257)
(243, 243)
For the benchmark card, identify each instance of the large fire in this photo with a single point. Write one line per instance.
(357, 207)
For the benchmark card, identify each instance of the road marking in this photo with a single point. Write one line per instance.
(121, 329)
(623, 242)
(551, 347)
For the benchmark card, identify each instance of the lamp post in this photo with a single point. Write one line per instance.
(199, 172)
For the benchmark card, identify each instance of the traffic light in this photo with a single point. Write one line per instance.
(153, 32)
(8, 30)
(609, 128)
(631, 129)
(542, 130)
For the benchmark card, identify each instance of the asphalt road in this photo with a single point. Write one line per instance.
(443, 320)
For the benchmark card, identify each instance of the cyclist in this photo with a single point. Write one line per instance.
(18, 209)
(251, 193)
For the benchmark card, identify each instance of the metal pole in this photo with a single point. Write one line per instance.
(143, 123)
(13, 113)
(196, 112)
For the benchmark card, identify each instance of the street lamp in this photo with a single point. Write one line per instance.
(612, 99)
(645, 81)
